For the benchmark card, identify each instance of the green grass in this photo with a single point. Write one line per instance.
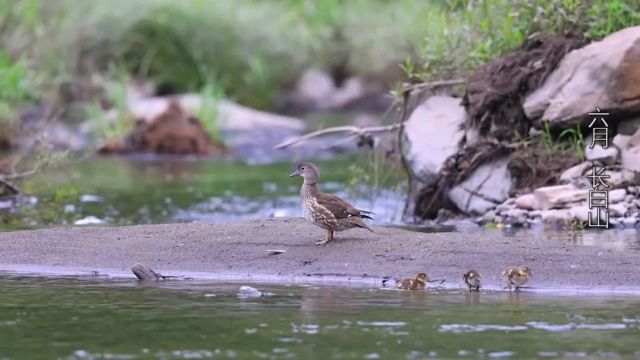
(471, 33)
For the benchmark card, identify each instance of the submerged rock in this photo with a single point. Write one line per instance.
(433, 133)
(603, 74)
(249, 292)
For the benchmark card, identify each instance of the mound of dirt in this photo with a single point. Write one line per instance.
(496, 91)
(172, 132)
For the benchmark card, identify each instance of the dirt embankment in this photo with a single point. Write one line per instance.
(239, 251)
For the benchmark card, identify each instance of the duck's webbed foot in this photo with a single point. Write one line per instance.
(327, 238)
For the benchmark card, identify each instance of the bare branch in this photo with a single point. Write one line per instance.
(433, 84)
(353, 131)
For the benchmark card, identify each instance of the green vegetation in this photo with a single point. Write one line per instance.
(253, 49)
(471, 33)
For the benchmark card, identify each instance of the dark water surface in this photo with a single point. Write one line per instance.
(76, 318)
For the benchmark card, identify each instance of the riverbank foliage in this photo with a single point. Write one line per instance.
(253, 49)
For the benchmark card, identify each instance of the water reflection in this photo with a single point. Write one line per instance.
(87, 318)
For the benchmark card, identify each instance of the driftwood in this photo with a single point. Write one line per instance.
(145, 273)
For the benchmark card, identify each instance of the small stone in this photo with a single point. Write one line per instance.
(489, 216)
(249, 292)
(629, 222)
(598, 153)
(618, 209)
(617, 195)
(515, 213)
(526, 201)
(619, 178)
(556, 215)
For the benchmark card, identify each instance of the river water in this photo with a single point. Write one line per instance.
(85, 318)
(103, 318)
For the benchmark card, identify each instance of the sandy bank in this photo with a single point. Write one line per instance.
(239, 251)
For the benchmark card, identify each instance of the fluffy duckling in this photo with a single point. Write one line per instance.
(418, 283)
(516, 276)
(472, 279)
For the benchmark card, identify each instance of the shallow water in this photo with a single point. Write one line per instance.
(124, 191)
(84, 318)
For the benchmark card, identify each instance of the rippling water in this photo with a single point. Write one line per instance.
(85, 318)
(123, 191)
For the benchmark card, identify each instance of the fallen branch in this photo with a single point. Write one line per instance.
(353, 131)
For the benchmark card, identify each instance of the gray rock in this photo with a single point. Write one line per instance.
(580, 212)
(621, 140)
(598, 153)
(617, 195)
(620, 178)
(629, 222)
(526, 201)
(575, 172)
(487, 187)
(489, 216)
(630, 153)
(619, 209)
(433, 133)
(556, 215)
(516, 213)
(599, 74)
(558, 196)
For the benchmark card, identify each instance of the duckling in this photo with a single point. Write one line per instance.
(472, 278)
(325, 210)
(517, 276)
(418, 283)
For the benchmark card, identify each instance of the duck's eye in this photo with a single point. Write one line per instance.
(302, 168)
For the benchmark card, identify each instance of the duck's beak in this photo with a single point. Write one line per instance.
(294, 174)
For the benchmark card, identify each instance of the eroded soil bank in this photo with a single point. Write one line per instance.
(238, 251)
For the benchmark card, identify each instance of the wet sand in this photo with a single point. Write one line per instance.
(238, 251)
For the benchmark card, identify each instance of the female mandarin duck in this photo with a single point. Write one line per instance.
(325, 210)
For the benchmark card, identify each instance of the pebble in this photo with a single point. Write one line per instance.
(249, 292)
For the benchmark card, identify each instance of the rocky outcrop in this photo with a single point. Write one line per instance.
(604, 74)
(173, 131)
(433, 133)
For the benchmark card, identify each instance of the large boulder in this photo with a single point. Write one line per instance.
(487, 187)
(605, 74)
(630, 152)
(433, 133)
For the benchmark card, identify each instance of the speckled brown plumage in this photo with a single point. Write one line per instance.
(325, 210)
(417, 283)
(472, 279)
(516, 276)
